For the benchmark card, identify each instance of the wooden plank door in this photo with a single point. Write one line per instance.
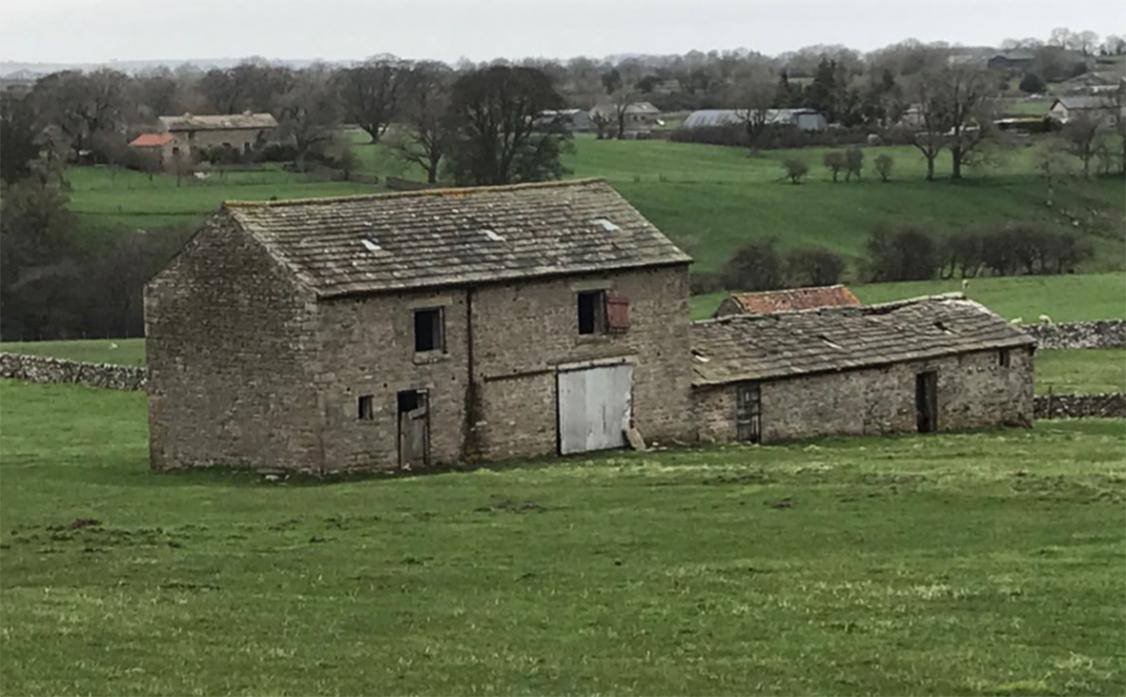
(414, 435)
(926, 402)
(748, 412)
(594, 408)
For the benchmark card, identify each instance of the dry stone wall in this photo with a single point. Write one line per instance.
(1074, 406)
(1103, 333)
(46, 370)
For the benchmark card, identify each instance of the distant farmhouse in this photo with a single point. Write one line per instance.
(1065, 109)
(567, 120)
(1013, 61)
(193, 134)
(802, 119)
(640, 116)
(157, 145)
(398, 331)
(770, 301)
(402, 331)
(920, 365)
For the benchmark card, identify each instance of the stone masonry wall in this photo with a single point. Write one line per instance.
(521, 333)
(1074, 406)
(43, 369)
(229, 340)
(974, 391)
(1104, 333)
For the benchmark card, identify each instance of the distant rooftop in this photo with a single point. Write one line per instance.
(217, 122)
(767, 301)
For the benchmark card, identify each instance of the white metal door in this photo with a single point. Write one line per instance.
(594, 408)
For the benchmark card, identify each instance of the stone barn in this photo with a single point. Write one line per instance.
(193, 134)
(930, 364)
(405, 330)
(768, 301)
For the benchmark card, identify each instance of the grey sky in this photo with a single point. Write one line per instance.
(104, 30)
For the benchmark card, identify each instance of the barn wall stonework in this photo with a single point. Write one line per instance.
(231, 359)
(521, 333)
(974, 390)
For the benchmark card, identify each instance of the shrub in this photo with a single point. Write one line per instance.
(795, 169)
(834, 161)
(854, 162)
(1032, 83)
(884, 164)
(905, 253)
(814, 266)
(754, 266)
(704, 282)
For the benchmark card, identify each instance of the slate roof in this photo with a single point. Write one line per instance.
(754, 347)
(151, 140)
(1084, 102)
(767, 301)
(217, 122)
(442, 237)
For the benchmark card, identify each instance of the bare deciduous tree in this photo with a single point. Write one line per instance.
(425, 106)
(370, 94)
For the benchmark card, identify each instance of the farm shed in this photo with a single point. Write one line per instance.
(768, 301)
(929, 364)
(400, 331)
(802, 119)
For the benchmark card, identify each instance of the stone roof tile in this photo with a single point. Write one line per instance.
(440, 237)
(754, 347)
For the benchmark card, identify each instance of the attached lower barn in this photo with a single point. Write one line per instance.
(930, 364)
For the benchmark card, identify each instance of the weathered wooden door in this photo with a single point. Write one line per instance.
(926, 402)
(414, 431)
(748, 412)
(594, 408)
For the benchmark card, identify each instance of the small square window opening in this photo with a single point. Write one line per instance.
(366, 408)
(1003, 358)
(429, 330)
(592, 312)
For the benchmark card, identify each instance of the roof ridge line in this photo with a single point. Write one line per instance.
(862, 309)
(441, 191)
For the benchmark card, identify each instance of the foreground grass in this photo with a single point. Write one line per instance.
(961, 564)
(1086, 371)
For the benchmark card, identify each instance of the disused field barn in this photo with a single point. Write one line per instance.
(769, 301)
(929, 364)
(404, 330)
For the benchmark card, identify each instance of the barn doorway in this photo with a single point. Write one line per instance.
(748, 412)
(414, 429)
(593, 407)
(926, 402)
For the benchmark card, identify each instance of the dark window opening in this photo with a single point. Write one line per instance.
(366, 408)
(926, 402)
(1003, 358)
(428, 330)
(409, 400)
(592, 312)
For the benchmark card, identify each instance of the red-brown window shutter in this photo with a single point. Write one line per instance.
(617, 312)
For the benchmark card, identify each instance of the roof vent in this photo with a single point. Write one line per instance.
(606, 224)
(370, 245)
(492, 235)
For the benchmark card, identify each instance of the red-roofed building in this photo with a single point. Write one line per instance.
(770, 301)
(163, 145)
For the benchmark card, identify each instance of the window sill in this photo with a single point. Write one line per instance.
(431, 357)
(594, 339)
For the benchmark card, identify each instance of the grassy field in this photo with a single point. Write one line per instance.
(1071, 298)
(113, 351)
(1081, 372)
(960, 564)
(707, 198)
(110, 199)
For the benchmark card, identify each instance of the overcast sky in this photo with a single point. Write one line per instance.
(105, 30)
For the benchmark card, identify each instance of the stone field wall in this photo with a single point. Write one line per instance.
(1103, 333)
(43, 369)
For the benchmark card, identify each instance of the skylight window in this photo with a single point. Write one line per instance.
(370, 245)
(492, 235)
(606, 224)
